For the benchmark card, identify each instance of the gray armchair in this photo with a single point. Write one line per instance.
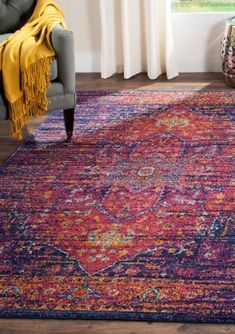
(61, 95)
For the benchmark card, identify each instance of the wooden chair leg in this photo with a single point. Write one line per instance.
(68, 122)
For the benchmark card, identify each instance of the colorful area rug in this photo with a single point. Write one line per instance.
(133, 220)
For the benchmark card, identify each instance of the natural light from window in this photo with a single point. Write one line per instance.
(203, 5)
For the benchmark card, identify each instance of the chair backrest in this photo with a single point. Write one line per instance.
(14, 14)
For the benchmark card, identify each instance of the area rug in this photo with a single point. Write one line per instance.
(133, 220)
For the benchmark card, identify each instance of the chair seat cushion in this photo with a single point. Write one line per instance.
(54, 68)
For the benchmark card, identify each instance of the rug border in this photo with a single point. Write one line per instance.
(112, 316)
(21, 143)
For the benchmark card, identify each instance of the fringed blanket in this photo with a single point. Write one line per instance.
(25, 60)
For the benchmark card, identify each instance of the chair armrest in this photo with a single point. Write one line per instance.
(63, 44)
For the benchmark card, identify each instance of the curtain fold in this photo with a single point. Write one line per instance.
(131, 36)
(108, 38)
(137, 37)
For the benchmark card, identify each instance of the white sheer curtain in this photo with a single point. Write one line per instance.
(137, 37)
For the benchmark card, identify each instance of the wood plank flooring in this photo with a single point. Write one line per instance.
(141, 81)
(197, 81)
(107, 327)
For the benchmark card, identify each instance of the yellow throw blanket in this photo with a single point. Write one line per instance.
(25, 60)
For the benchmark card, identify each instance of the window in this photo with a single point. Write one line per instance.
(203, 5)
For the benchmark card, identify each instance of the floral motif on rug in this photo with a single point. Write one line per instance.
(132, 220)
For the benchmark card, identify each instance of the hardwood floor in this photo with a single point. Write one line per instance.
(8, 146)
(141, 81)
(107, 327)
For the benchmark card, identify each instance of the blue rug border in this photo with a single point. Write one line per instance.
(113, 316)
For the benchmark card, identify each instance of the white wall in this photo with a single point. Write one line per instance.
(197, 37)
(83, 18)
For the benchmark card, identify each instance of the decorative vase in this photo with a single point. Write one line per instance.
(228, 52)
